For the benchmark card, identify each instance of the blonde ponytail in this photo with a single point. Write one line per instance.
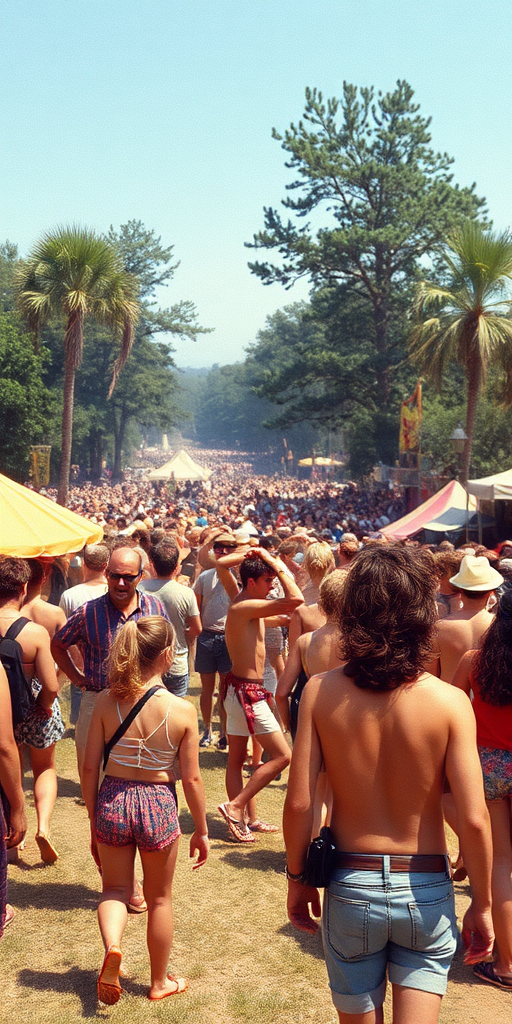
(135, 649)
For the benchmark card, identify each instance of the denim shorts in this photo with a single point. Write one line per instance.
(212, 654)
(375, 922)
(178, 685)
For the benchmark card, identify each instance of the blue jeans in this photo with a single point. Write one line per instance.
(378, 921)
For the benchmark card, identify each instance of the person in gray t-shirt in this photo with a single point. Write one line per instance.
(180, 604)
(212, 654)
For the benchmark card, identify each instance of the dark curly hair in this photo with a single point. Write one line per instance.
(14, 573)
(386, 616)
(492, 667)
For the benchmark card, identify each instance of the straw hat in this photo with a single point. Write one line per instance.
(225, 538)
(476, 573)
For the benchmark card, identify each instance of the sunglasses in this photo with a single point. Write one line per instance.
(128, 577)
(224, 547)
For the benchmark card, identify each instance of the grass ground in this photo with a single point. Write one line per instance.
(232, 938)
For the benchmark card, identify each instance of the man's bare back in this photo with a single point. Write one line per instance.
(396, 768)
(460, 632)
(47, 615)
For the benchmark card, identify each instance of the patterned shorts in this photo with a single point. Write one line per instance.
(140, 813)
(497, 772)
(37, 730)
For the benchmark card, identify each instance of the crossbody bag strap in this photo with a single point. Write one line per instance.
(125, 724)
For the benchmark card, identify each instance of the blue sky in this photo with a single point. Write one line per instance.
(162, 110)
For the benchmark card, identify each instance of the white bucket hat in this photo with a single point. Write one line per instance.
(476, 573)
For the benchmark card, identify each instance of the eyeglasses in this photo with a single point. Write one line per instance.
(128, 577)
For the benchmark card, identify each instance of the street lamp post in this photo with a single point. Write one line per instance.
(459, 439)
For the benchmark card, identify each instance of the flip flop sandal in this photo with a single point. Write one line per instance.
(181, 986)
(9, 915)
(485, 971)
(238, 829)
(262, 826)
(48, 852)
(109, 989)
(137, 904)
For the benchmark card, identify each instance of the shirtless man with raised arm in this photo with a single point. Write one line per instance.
(387, 733)
(246, 701)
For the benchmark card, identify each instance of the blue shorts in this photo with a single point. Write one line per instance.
(375, 922)
(212, 654)
(178, 685)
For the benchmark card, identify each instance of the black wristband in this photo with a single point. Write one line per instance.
(295, 878)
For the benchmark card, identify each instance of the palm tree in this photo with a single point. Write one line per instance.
(466, 319)
(74, 273)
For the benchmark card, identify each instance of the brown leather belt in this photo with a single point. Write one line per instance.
(428, 862)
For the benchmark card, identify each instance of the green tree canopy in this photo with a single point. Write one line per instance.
(25, 404)
(145, 258)
(72, 274)
(467, 317)
(380, 199)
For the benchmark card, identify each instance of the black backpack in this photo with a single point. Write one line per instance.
(11, 657)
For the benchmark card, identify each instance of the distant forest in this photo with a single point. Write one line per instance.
(221, 410)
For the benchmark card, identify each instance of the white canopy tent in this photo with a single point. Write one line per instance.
(492, 488)
(180, 467)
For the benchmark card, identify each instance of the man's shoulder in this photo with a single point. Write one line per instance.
(74, 597)
(206, 576)
(150, 604)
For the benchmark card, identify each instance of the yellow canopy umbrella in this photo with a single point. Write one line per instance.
(32, 525)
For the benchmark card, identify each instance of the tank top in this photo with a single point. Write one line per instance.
(134, 752)
(493, 724)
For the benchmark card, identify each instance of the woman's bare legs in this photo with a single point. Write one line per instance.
(117, 882)
(159, 868)
(45, 785)
(499, 811)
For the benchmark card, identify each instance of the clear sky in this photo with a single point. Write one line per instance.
(162, 110)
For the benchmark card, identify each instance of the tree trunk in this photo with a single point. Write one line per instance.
(67, 428)
(119, 432)
(474, 379)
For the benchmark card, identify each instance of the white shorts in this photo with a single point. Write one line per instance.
(236, 725)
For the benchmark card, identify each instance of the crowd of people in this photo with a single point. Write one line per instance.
(381, 670)
(231, 496)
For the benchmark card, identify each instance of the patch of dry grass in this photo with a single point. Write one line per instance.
(232, 939)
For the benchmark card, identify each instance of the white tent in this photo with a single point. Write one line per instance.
(180, 467)
(492, 488)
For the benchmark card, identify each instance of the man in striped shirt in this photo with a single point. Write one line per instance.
(92, 628)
